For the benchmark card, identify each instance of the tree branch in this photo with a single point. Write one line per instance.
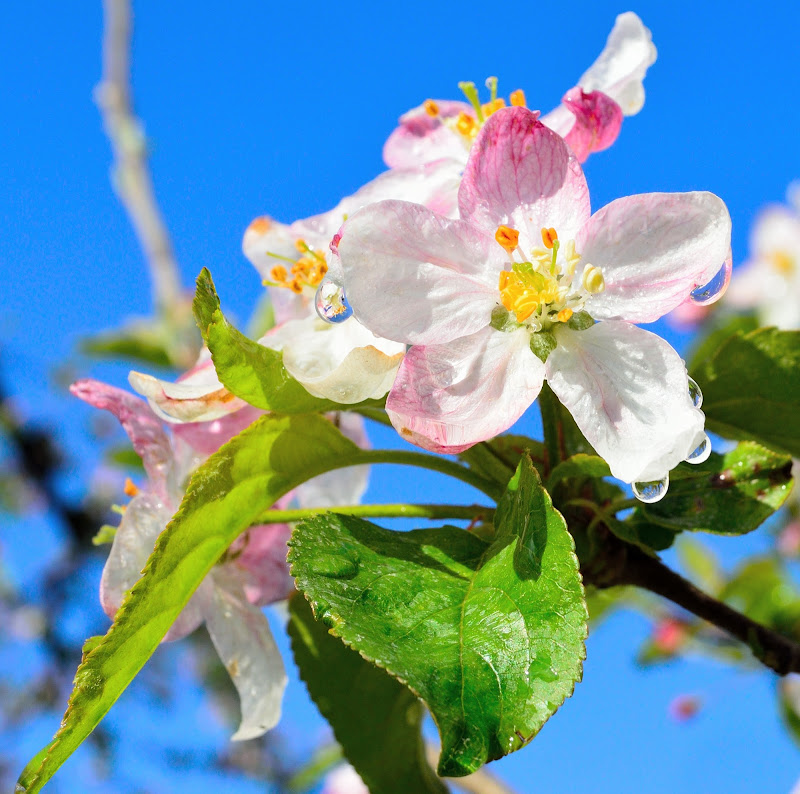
(130, 175)
(777, 652)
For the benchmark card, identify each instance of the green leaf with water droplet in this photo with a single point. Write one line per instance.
(751, 388)
(376, 720)
(489, 635)
(225, 495)
(729, 494)
(249, 370)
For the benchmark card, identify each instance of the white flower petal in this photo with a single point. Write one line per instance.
(627, 390)
(243, 639)
(417, 277)
(653, 250)
(343, 362)
(143, 521)
(448, 397)
(621, 66)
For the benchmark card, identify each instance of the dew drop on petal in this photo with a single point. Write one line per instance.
(695, 393)
(651, 491)
(710, 293)
(331, 302)
(701, 452)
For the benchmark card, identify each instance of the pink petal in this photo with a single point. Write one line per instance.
(258, 559)
(522, 174)
(207, 437)
(448, 397)
(628, 392)
(142, 426)
(417, 277)
(598, 120)
(654, 249)
(421, 138)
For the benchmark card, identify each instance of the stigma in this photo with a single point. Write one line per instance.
(541, 290)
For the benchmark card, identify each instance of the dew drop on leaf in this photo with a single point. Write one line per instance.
(710, 293)
(331, 303)
(651, 491)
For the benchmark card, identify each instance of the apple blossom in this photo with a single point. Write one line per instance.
(505, 298)
(589, 117)
(252, 574)
(769, 281)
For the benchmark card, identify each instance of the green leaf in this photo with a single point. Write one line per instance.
(490, 636)
(225, 496)
(716, 334)
(701, 564)
(375, 719)
(729, 494)
(498, 458)
(640, 532)
(251, 371)
(751, 388)
(133, 344)
(579, 467)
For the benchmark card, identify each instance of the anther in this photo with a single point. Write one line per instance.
(507, 237)
(279, 274)
(465, 124)
(517, 99)
(593, 280)
(431, 108)
(260, 225)
(130, 488)
(564, 315)
(549, 237)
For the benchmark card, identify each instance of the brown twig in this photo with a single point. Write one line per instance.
(131, 177)
(777, 652)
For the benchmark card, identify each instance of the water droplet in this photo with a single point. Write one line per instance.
(331, 302)
(335, 566)
(701, 452)
(695, 393)
(710, 293)
(651, 491)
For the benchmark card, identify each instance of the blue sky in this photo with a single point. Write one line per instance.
(256, 107)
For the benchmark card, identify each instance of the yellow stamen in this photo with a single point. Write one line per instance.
(466, 125)
(431, 108)
(493, 106)
(549, 237)
(279, 274)
(507, 237)
(302, 246)
(564, 315)
(593, 280)
(517, 99)
(130, 488)
(296, 286)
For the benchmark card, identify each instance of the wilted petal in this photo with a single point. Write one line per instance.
(241, 634)
(653, 250)
(142, 426)
(627, 390)
(417, 277)
(422, 138)
(343, 362)
(143, 521)
(448, 397)
(623, 63)
(197, 396)
(521, 174)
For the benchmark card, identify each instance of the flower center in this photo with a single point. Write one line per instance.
(303, 274)
(782, 262)
(542, 291)
(467, 126)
